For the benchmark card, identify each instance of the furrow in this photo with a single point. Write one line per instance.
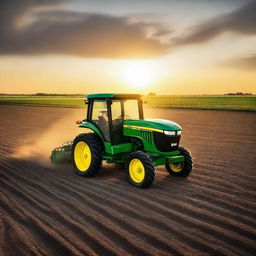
(55, 243)
(72, 226)
(151, 222)
(102, 227)
(166, 215)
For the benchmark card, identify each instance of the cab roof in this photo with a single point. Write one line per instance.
(113, 96)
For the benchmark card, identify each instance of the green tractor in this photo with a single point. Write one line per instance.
(121, 135)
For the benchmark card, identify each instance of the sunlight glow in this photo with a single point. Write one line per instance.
(139, 74)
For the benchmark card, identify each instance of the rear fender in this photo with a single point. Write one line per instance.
(92, 127)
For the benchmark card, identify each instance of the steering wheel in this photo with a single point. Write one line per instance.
(125, 117)
(120, 119)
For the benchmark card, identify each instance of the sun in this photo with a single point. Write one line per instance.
(139, 74)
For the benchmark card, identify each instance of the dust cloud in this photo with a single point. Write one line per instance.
(38, 148)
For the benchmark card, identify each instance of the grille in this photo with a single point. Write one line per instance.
(147, 136)
(164, 142)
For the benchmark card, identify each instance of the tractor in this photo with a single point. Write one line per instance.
(120, 135)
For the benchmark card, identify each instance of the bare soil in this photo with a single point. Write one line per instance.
(48, 210)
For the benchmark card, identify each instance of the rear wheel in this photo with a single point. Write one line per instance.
(182, 169)
(140, 169)
(87, 152)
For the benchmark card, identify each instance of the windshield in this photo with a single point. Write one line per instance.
(125, 109)
(122, 110)
(131, 109)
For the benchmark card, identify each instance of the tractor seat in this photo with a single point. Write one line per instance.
(102, 121)
(103, 125)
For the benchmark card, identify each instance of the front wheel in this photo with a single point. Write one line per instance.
(182, 169)
(140, 169)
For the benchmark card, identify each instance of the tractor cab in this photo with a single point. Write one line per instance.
(109, 111)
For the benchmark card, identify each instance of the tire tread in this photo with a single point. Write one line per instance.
(97, 151)
(150, 171)
(188, 165)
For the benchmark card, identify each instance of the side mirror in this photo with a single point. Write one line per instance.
(86, 102)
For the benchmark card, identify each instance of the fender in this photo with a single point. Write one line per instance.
(92, 127)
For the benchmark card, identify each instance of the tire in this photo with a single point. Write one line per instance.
(87, 152)
(140, 169)
(181, 169)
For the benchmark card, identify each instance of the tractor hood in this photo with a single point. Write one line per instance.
(152, 124)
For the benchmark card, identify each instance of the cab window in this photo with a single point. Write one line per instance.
(100, 117)
(117, 121)
(116, 108)
(131, 109)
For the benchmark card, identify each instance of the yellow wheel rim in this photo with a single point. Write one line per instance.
(136, 170)
(82, 156)
(177, 167)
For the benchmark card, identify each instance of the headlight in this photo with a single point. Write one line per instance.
(170, 132)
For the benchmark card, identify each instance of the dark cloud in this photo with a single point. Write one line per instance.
(43, 27)
(56, 31)
(247, 63)
(241, 21)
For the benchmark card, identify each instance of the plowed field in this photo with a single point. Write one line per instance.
(48, 210)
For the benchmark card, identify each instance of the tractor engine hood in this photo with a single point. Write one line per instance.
(158, 125)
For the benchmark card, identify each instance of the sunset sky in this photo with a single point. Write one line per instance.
(162, 46)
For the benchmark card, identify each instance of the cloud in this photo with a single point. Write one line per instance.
(31, 27)
(242, 21)
(247, 63)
